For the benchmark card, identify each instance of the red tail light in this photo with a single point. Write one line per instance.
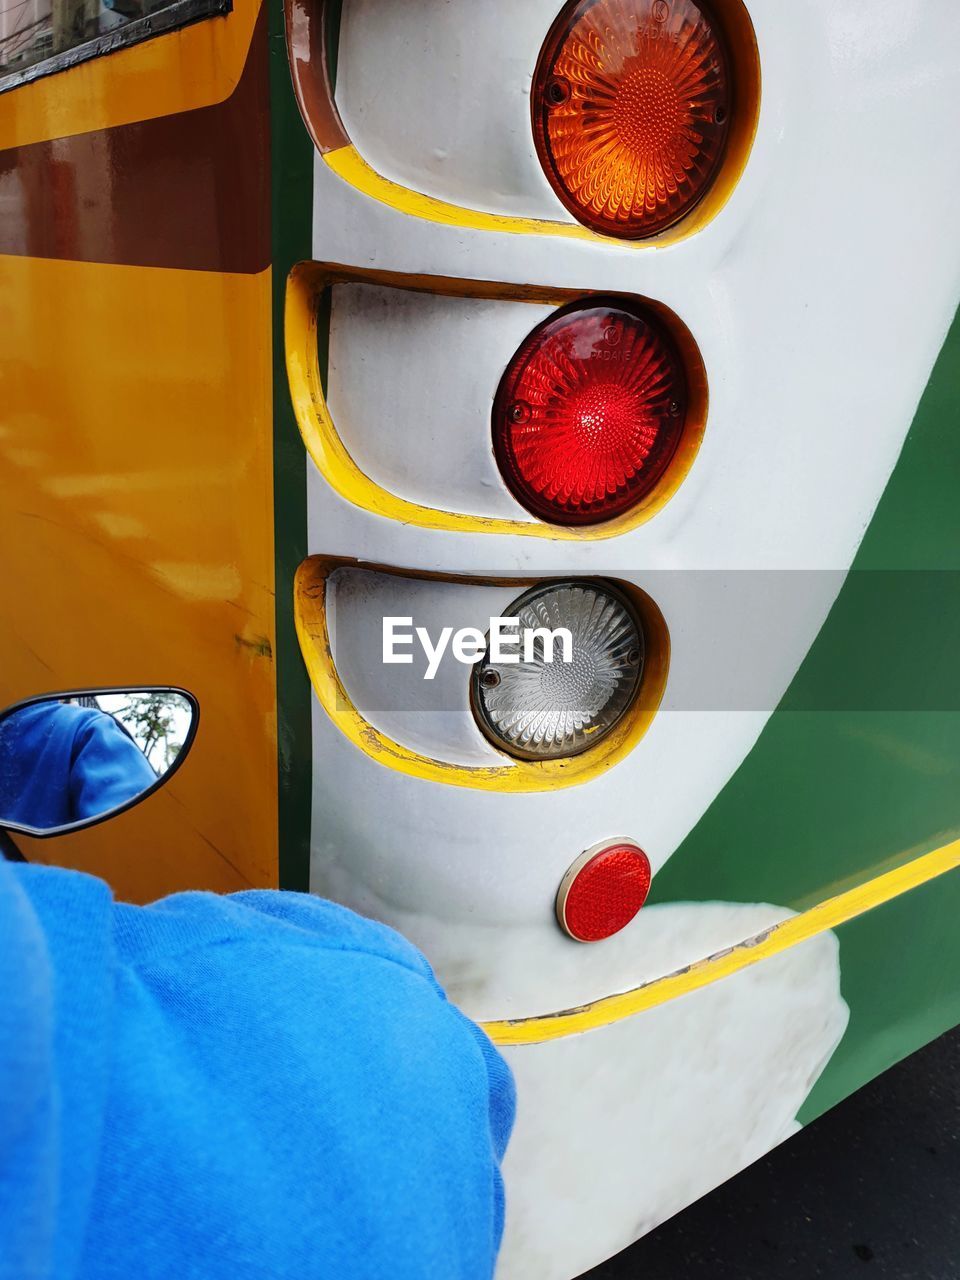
(589, 412)
(631, 110)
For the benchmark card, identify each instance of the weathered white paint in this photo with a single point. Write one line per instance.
(440, 101)
(736, 640)
(818, 339)
(620, 1128)
(427, 438)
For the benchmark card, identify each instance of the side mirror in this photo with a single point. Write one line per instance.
(70, 760)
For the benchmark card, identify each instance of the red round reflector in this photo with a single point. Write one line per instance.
(603, 890)
(590, 411)
(631, 109)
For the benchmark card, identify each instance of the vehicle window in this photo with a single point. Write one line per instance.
(41, 36)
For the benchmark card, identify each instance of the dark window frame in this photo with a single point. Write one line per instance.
(181, 13)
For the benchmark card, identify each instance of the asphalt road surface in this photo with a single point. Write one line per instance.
(871, 1190)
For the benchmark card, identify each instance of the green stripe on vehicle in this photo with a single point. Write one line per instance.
(858, 769)
(292, 216)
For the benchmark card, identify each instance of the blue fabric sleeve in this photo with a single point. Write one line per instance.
(263, 1085)
(108, 769)
(61, 763)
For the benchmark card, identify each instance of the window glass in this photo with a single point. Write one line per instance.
(32, 31)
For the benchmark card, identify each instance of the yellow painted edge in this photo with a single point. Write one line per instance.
(520, 776)
(347, 163)
(790, 933)
(335, 464)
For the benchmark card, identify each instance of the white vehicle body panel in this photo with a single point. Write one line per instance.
(818, 340)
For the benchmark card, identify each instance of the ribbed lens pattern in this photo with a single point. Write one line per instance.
(589, 413)
(544, 710)
(631, 109)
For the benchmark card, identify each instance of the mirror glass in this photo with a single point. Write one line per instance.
(70, 759)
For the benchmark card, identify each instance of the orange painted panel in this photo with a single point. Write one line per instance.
(136, 528)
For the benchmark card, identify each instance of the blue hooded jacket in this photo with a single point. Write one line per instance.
(252, 1087)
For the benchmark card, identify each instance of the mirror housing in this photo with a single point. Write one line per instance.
(73, 759)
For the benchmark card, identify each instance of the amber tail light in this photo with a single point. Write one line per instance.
(632, 106)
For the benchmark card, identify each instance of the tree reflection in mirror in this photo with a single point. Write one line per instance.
(71, 759)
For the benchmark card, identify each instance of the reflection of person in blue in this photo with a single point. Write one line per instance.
(61, 763)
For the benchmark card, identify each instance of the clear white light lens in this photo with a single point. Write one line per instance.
(545, 710)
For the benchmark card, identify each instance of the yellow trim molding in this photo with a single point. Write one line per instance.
(347, 163)
(790, 933)
(305, 287)
(310, 614)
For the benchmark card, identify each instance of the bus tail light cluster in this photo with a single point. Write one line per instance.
(589, 412)
(603, 890)
(631, 109)
(550, 704)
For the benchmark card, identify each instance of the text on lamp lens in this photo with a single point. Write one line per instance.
(507, 643)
